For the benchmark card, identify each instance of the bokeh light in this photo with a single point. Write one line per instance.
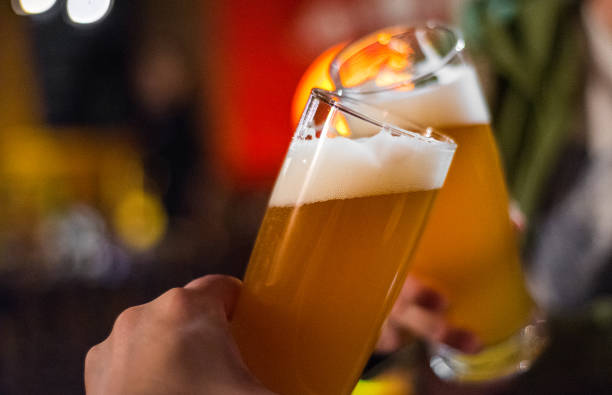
(140, 220)
(75, 243)
(87, 11)
(316, 76)
(32, 7)
(386, 384)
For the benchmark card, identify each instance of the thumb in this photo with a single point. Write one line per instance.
(220, 289)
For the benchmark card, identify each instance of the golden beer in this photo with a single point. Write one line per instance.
(479, 269)
(331, 254)
(319, 285)
(468, 250)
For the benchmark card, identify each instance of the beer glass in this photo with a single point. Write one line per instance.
(347, 209)
(419, 73)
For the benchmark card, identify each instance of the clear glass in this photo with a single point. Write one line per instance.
(468, 250)
(347, 209)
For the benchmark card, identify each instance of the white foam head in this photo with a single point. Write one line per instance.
(342, 168)
(455, 99)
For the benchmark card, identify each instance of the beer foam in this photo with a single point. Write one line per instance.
(342, 168)
(456, 99)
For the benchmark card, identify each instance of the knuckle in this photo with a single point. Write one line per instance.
(176, 297)
(91, 357)
(177, 303)
(177, 293)
(126, 319)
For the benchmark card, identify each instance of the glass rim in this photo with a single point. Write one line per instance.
(426, 133)
(457, 49)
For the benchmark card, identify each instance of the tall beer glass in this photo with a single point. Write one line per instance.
(419, 73)
(346, 211)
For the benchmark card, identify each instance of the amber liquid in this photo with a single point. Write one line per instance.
(468, 249)
(320, 282)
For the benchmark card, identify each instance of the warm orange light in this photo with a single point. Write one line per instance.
(364, 60)
(368, 63)
(341, 126)
(383, 38)
(383, 62)
(364, 65)
(398, 62)
(400, 47)
(316, 76)
(387, 78)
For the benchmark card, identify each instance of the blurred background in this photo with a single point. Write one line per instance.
(139, 141)
(138, 144)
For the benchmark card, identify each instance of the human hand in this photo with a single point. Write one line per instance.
(180, 343)
(420, 311)
(603, 10)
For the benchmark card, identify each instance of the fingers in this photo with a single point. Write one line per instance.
(93, 367)
(173, 336)
(418, 311)
(517, 217)
(460, 339)
(415, 292)
(421, 322)
(392, 338)
(217, 288)
(432, 325)
(421, 310)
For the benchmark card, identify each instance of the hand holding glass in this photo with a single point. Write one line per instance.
(468, 250)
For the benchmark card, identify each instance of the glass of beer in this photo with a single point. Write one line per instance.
(345, 214)
(420, 74)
